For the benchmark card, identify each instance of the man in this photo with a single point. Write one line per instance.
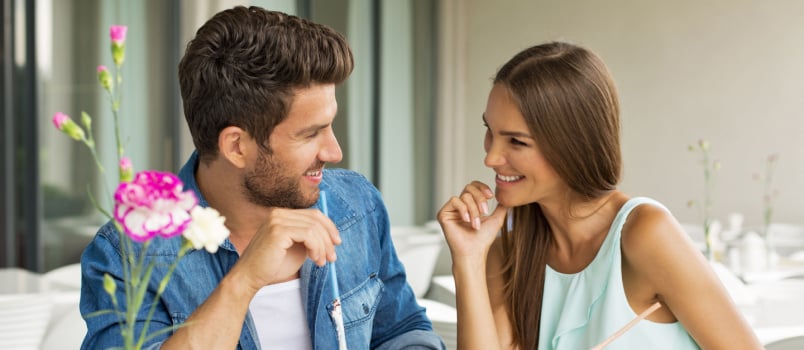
(259, 98)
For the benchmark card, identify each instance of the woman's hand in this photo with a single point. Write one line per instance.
(467, 225)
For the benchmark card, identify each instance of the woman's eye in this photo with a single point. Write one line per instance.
(517, 142)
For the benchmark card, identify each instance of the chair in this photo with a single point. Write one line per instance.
(66, 328)
(793, 343)
(418, 250)
(67, 277)
(23, 318)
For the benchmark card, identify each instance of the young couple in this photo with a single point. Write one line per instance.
(578, 260)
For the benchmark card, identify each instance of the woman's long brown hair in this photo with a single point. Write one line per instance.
(569, 101)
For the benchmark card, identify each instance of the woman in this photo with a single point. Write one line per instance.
(577, 259)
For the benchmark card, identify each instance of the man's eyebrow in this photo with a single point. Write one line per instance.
(509, 133)
(311, 129)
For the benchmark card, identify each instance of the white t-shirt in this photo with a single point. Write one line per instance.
(279, 316)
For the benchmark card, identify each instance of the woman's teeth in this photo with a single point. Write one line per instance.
(504, 178)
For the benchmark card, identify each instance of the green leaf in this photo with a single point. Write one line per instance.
(99, 313)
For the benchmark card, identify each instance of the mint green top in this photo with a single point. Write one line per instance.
(581, 310)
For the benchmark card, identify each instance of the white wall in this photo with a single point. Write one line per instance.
(730, 71)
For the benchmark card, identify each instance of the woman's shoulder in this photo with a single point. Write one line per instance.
(649, 226)
(651, 229)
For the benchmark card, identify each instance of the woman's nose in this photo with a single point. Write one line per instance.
(494, 156)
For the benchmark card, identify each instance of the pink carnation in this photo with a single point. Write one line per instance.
(102, 68)
(118, 34)
(153, 204)
(59, 119)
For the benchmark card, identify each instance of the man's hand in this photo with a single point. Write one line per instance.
(283, 243)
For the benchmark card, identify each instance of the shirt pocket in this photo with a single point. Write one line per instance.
(358, 307)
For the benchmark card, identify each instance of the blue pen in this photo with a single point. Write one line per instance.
(336, 315)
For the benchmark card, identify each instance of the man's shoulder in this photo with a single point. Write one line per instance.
(346, 180)
(339, 173)
(350, 193)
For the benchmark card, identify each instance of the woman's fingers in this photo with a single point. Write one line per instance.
(476, 196)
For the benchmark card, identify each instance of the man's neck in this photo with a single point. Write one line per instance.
(227, 197)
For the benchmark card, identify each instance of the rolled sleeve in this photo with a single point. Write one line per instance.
(102, 256)
(414, 340)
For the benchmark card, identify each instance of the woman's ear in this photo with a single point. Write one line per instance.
(235, 145)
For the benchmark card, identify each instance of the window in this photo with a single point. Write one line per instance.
(385, 121)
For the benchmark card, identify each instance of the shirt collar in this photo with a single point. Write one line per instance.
(187, 175)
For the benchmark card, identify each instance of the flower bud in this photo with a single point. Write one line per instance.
(86, 120)
(118, 54)
(59, 119)
(118, 35)
(126, 170)
(73, 130)
(108, 284)
(68, 126)
(105, 78)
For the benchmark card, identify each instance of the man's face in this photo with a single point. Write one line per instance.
(301, 144)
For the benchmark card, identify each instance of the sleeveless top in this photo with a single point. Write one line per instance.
(581, 310)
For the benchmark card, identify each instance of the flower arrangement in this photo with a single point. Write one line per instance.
(710, 167)
(147, 205)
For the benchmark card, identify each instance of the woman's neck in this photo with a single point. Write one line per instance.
(579, 229)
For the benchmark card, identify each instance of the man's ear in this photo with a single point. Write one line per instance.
(235, 145)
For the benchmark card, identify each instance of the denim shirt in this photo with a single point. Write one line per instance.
(379, 308)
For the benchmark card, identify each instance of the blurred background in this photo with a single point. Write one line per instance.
(726, 71)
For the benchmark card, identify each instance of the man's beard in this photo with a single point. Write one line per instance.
(270, 185)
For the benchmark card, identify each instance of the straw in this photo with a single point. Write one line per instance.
(628, 326)
(336, 314)
(509, 220)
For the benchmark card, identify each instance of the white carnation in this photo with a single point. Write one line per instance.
(206, 229)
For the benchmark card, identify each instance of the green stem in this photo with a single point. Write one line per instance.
(707, 206)
(162, 285)
(115, 108)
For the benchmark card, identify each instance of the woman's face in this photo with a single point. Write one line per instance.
(522, 174)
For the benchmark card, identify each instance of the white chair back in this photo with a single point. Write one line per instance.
(418, 250)
(23, 319)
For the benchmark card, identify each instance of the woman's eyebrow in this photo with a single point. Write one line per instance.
(509, 133)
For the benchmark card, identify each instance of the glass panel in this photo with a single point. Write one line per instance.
(72, 40)
(386, 117)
